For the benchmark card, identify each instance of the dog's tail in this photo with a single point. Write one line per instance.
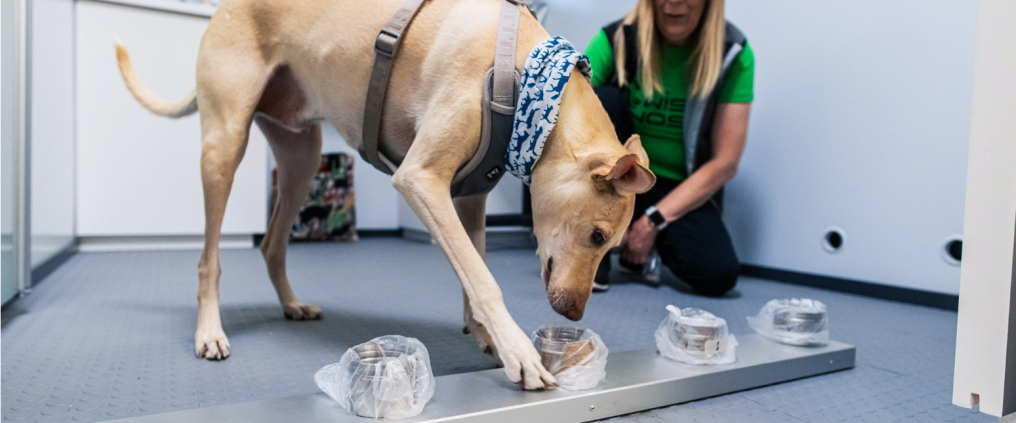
(147, 99)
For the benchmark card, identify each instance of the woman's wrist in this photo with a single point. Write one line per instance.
(655, 218)
(669, 210)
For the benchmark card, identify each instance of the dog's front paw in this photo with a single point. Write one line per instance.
(211, 344)
(299, 311)
(522, 364)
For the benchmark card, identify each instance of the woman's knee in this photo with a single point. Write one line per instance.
(712, 277)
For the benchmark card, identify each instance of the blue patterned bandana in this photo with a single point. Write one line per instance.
(548, 68)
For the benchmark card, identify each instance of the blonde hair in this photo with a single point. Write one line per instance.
(704, 66)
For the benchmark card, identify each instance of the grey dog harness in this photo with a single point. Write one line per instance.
(500, 93)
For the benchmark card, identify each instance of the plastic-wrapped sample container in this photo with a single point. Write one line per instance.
(695, 336)
(801, 322)
(575, 355)
(386, 377)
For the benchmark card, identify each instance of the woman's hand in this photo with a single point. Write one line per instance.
(638, 241)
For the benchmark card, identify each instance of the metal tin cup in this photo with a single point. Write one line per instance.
(576, 356)
(792, 321)
(367, 369)
(386, 377)
(700, 333)
(562, 347)
(699, 340)
(695, 336)
(798, 321)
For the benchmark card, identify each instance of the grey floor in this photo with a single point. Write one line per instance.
(110, 335)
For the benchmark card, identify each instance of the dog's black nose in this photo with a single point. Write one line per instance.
(574, 314)
(569, 308)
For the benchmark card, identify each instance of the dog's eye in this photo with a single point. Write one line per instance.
(598, 238)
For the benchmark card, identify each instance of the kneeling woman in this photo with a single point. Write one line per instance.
(681, 77)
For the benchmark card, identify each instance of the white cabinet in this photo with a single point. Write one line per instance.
(137, 173)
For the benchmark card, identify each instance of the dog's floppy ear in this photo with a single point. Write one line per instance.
(628, 175)
(634, 146)
(625, 174)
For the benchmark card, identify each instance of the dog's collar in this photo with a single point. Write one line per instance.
(548, 68)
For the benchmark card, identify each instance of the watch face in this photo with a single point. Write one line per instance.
(657, 218)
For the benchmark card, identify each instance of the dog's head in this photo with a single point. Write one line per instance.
(583, 193)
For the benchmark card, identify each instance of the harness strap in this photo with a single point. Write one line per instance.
(504, 57)
(385, 48)
(500, 93)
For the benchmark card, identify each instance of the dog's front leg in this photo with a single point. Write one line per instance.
(473, 215)
(427, 192)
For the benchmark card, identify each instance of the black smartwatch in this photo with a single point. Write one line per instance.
(656, 218)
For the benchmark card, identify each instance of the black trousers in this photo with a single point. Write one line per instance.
(696, 247)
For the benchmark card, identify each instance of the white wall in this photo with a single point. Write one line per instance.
(52, 128)
(139, 174)
(861, 118)
(579, 20)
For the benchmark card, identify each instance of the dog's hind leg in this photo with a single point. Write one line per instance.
(229, 86)
(472, 213)
(298, 154)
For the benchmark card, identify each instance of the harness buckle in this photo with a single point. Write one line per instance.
(385, 43)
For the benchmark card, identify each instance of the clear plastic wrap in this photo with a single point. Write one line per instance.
(695, 336)
(386, 377)
(575, 355)
(801, 322)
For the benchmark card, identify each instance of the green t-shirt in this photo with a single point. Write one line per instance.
(660, 121)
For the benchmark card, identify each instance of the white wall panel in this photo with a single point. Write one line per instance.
(860, 120)
(52, 128)
(579, 20)
(139, 174)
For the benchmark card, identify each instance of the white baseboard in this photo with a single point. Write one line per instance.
(90, 244)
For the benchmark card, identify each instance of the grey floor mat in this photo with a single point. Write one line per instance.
(110, 335)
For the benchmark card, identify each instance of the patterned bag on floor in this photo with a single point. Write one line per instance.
(328, 213)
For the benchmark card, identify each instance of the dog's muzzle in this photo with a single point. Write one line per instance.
(568, 303)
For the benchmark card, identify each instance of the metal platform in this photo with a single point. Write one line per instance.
(636, 380)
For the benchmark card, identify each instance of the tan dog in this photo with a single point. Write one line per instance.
(289, 65)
